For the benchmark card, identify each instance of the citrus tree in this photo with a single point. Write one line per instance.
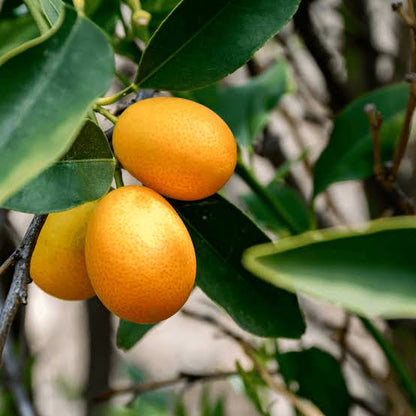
(67, 144)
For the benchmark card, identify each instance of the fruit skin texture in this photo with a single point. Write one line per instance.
(58, 261)
(140, 257)
(177, 147)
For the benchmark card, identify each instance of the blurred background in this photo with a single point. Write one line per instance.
(336, 50)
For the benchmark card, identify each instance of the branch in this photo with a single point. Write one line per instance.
(18, 290)
(407, 126)
(404, 378)
(10, 261)
(13, 381)
(386, 180)
(156, 385)
(339, 94)
(304, 406)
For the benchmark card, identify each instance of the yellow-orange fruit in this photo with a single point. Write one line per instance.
(58, 261)
(140, 257)
(177, 147)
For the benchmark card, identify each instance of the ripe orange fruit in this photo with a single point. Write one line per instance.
(177, 147)
(58, 261)
(140, 257)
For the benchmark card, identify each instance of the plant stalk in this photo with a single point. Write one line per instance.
(403, 376)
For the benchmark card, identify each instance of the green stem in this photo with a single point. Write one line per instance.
(37, 15)
(111, 99)
(247, 176)
(118, 177)
(404, 378)
(105, 113)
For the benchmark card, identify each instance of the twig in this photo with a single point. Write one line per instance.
(339, 94)
(358, 401)
(304, 406)
(386, 180)
(10, 261)
(404, 378)
(407, 127)
(156, 385)
(376, 121)
(18, 290)
(13, 381)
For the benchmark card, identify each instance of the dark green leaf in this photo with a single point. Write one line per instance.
(127, 48)
(371, 270)
(288, 198)
(349, 153)
(159, 11)
(201, 42)
(220, 233)
(129, 334)
(319, 379)
(14, 32)
(104, 13)
(84, 174)
(46, 92)
(246, 108)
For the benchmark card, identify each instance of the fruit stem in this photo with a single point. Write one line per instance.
(247, 176)
(118, 177)
(111, 99)
(105, 113)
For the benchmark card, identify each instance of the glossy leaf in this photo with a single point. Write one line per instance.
(84, 174)
(46, 92)
(159, 11)
(201, 42)
(319, 379)
(370, 271)
(287, 198)
(246, 108)
(349, 153)
(16, 31)
(220, 233)
(129, 334)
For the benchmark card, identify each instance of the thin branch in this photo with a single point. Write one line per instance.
(407, 127)
(376, 121)
(18, 290)
(10, 261)
(387, 181)
(13, 381)
(358, 401)
(304, 406)
(404, 378)
(156, 385)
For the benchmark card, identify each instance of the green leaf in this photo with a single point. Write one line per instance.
(104, 13)
(15, 32)
(84, 174)
(319, 379)
(159, 11)
(370, 270)
(246, 108)
(288, 198)
(129, 334)
(349, 153)
(252, 383)
(52, 9)
(220, 233)
(46, 92)
(201, 42)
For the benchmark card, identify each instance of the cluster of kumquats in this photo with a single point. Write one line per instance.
(131, 248)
